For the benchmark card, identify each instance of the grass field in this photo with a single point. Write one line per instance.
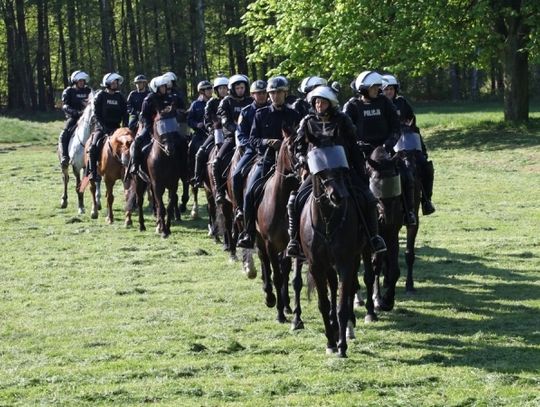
(92, 314)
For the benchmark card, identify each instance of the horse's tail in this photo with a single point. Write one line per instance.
(311, 286)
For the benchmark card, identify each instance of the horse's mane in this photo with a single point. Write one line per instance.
(84, 124)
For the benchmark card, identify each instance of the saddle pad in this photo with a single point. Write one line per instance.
(408, 141)
(167, 126)
(388, 187)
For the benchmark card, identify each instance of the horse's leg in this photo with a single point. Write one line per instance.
(195, 208)
(392, 271)
(297, 322)
(185, 195)
(140, 203)
(319, 276)
(412, 231)
(173, 204)
(358, 300)
(346, 285)
(278, 281)
(377, 262)
(248, 264)
(98, 193)
(369, 280)
(286, 265)
(93, 188)
(109, 185)
(158, 192)
(333, 287)
(229, 227)
(266, 275)
(65, 180)
(80, 195)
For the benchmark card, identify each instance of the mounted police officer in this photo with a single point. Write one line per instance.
(377, 123)
(174, 90)
(302, 105)
(159, 101)
(407, 119)
(195, 116)
(228, 111)
(245, 121)
(213, 127)
(74, 99)
(110, 109)
(265, 137)
(327, 126)
(135, 100)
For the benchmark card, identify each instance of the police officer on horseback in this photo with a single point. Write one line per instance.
(407, 118)
(159, 101)
(213, 127)
(135, 100)
(302, 106)
(195, 116)
(174, 90)
(377, 123)
(74, 99)
(265, 137)
(110, 109)
(327, 126)
(245, 121)
(228, 111)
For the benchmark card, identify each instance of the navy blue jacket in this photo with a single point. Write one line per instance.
(269, 123)
(196, 116)
(135, 101)
(245, 121)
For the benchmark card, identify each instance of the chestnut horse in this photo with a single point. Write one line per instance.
(76, 151)
(112, 163)
(272, 236)
(333, 240)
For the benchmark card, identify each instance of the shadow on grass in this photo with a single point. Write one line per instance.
(40, 117)
(487, 135)
(490, 328)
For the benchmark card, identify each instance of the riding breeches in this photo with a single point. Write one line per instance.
(65, 136)
(238, 175)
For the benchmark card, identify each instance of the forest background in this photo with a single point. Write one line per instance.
(440, 50)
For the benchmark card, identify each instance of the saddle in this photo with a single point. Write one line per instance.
(259, 186)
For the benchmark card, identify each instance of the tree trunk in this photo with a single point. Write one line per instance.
(40, 57)
(197, 38)
(14, 96)
(516, 78)
(133, 37)
(27, 85)
(156, 39)
(455, 82)
(72, 37)
(61, 44)
(106, 40)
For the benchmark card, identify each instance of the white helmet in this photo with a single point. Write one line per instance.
(79, 75)
(237, 79)
(367, 79)
(110, 78)
(158, 81)
(310, 83)
(389, 80)
(220, 81)
(325, 92)
(170, 76)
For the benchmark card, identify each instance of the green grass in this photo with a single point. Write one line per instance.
(92, 314)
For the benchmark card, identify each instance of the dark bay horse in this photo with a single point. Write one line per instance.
(111, 167)
(385, 184)
(166, 164)
(76, 150)
(333, 241)
(272, 236)
(408, 148)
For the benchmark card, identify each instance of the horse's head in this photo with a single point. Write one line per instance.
(121, 141)
(330, 170)
(166, 133)
(380, 164)
(286, 160)
(87, 120)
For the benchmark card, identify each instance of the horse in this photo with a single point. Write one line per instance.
(220, 216)
(166, 164)
(385, 184)
(113, 162)
(193, 147)
(76, 150)
(272, 234)
(333, 239)
(408, 148)
(248, 265)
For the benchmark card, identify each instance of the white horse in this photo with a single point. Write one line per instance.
(76, 147)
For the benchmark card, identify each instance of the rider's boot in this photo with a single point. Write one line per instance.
(92, 162)
(200, 162)
(293, 247)
(220, 185)
(427, 188)
(238, 192)
(135, 162)
(63, 143)
(408, 182)
(375, 240)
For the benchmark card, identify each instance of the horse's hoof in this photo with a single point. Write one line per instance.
(342, 353)
(410, 291)
(81, 211)
(250, 272)
(94, 215)
(63, 203)
(194, 215)
(386, 306)
(281, 319)
(358, 301)
(369, 318)
(331, 351)
(109, 221)
(164, 235)
(350, 331)
(128, 224)
(99, 206)
(288, 310)
(233, 258)
(377, 305)
(271, 300)
(296, 325)
(142, 228)
(183, 207)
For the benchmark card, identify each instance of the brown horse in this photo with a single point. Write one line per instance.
(333, 241)
(112, 163)
(272, 236)
(385, 184)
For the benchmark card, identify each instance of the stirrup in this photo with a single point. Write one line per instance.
(293, 248)
(377, 244)
(245, 241)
